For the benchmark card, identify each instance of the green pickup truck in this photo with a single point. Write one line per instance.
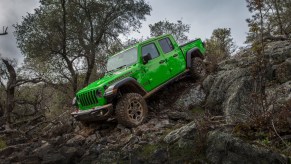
(133, 75)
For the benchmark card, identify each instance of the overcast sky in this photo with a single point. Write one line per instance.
(202, 15)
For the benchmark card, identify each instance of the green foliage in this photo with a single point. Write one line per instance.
(266, 141)
(178, 30)
(220, 45)
(148, 150)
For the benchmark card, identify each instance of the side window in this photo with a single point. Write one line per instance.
(150, 48)
(166, 45)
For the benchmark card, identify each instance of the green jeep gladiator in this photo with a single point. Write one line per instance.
(133, 75)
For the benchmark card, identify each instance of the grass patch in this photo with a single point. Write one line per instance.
(197, 110)
(148, 150)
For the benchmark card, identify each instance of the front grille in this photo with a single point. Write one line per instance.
(88, 98)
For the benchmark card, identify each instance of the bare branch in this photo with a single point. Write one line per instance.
(278, 134)
(20, 82)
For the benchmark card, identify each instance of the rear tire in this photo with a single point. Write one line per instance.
(198, 68)
(131, 110)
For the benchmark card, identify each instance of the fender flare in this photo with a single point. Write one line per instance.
(112, 91)
(194, 52)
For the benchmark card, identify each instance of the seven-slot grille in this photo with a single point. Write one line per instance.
(88, 98)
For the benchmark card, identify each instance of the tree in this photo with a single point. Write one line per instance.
(9, 81)
(270, 21)
(63, 39)
(220, 45)
(178, 30)
(257, 24)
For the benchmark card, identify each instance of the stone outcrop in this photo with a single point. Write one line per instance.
(230, 89)
(224, 148)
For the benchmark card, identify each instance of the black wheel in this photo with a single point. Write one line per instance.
(198, 68)
(131, 110)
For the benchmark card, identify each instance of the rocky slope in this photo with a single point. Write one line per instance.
(188, 123)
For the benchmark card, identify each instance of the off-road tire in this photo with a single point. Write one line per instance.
(131, 110)
(198, 69)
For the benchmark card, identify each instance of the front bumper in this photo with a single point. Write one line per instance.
(95, 114)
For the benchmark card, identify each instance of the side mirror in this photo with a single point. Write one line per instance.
(147, 58)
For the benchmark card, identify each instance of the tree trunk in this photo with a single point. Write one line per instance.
(74, 80)
(1, 110)
(91, 57)
(282, 31)
(10, 92)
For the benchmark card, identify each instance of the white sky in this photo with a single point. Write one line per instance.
(203, 15)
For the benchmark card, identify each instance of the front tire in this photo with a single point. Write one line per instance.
(198, 68)
(131, 110)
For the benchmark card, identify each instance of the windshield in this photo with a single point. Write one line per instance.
(122, 59)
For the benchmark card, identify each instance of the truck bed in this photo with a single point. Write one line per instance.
(193, 43)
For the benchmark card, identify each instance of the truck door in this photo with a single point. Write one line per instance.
(173, 55)
(156, 69)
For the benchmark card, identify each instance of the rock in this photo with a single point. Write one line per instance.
(58, 130)
(77, 140)
(58, 140)
(8, 150)
(224, 148)
(162, 124)
(159, 156)
(207, 83)
(278, 95)
(278, 51)
(186, 132)
(283, 71)
(108, 157)
(43, 150)
(91, 139)
(179, 116)
(70, 153)
(229, 93)
(194, 96)
(54, 159)
(89, 159)
(31, 159)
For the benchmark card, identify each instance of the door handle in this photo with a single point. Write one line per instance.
(162, 61)
(175, 55)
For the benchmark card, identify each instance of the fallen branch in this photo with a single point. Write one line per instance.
(279, 135)
(286, 137)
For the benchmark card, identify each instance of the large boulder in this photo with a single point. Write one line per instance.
(278, 51)
(185, 132)
(230, 91)
(282, 71)
(194, 96)
(224, 148)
